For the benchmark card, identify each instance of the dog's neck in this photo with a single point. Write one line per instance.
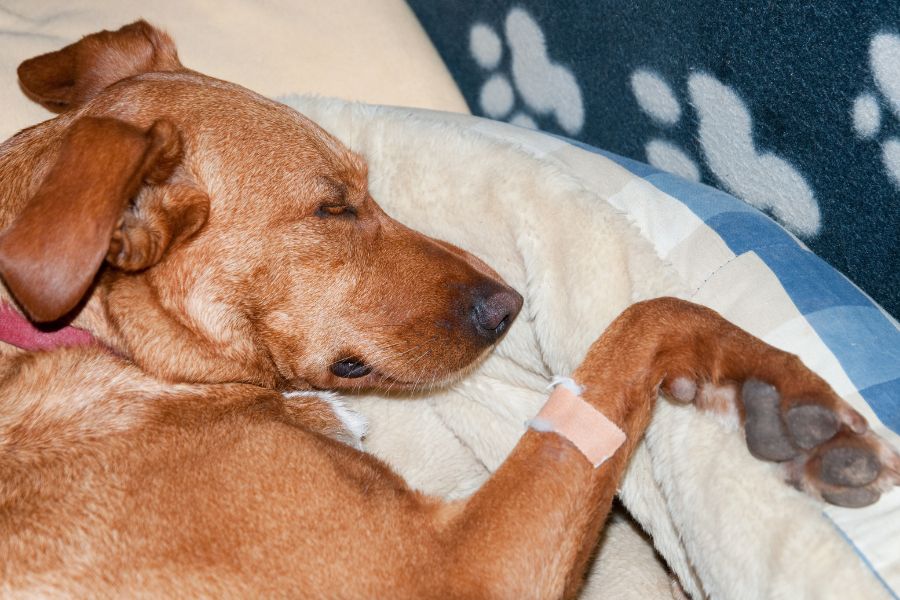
(18, 331)
(155, 341)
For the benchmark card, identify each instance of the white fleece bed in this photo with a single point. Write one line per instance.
(582, 237)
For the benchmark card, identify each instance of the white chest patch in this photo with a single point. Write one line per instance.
(354, 423)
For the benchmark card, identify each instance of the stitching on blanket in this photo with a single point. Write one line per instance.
(714, 273)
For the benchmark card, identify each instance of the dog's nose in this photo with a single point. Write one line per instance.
(495, 310)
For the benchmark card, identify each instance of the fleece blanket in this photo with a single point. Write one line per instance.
(792, 106)
(577, 247)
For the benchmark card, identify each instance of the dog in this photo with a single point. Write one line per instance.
(179, 252)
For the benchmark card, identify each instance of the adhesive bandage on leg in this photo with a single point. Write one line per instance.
(566, 414)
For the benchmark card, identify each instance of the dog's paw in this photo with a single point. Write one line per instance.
(823, 444)
(826, 446)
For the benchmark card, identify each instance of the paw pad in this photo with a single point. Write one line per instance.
(683, 389)
(767, 436)
(811, 424)
(851, 497)
(849, 466)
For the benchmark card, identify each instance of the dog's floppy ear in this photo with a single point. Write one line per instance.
(70, 77)
(51, 252)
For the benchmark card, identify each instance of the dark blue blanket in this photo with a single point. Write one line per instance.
(792, 106)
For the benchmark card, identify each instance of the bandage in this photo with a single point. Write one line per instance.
(566, 414)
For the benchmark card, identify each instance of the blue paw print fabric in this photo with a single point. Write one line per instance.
(793, 107)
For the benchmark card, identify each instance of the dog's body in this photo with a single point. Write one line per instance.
(245, 258)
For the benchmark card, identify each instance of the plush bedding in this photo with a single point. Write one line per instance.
(583, 235)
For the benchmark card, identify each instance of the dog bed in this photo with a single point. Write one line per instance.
(583, 234)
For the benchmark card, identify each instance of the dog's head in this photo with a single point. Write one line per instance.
(224, 237)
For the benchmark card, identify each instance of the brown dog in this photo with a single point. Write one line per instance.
(220, 249)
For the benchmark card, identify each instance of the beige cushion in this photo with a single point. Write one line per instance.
(355, 49)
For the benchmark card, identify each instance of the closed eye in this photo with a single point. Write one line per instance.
(334, 209)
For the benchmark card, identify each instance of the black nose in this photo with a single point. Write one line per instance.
(494, 311)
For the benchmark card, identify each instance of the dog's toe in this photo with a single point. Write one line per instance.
(767, 436)
(851, 497)
(811, 424)
(849, 466)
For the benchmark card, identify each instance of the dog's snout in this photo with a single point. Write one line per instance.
(494, 311)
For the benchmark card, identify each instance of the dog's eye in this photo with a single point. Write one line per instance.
(335, 210)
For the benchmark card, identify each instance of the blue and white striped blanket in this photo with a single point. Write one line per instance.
(808, 308)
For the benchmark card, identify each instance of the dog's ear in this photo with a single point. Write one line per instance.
(51, 252)
(70, 77)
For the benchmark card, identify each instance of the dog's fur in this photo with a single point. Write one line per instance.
(224, 249)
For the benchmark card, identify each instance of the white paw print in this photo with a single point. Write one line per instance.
(760, 178)
(658, 102)
(545, 87)
(884, 60)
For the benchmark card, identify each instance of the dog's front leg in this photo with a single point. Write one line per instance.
(528, 532)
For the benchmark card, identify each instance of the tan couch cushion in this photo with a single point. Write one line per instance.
(355, 49)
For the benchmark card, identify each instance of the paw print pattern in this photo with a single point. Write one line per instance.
(544, 87)
(884, 60)
(658, 101)
(760, 178)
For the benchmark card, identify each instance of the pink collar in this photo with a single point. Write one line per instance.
(15, 329)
